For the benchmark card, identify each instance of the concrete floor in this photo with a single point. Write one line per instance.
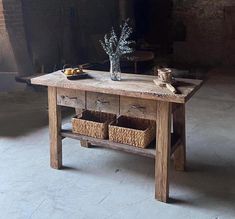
(100, 183)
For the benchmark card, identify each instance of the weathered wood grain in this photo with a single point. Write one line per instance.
(102, 102)
(85, 144)
(66, 132)
(179, 130)
(54, 129)
(147, 152)
(71, 98)
(132, 85)
(163, 151)
(140, 108)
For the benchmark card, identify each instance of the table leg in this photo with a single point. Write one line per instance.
(179, 130)
(54, 129)
(163, 151)
(85, 144)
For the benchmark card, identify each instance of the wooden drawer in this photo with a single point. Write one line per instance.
(102, 102)
(71, 98)
(141, 108)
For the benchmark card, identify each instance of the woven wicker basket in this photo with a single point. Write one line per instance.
(132, 131)
(93, 124)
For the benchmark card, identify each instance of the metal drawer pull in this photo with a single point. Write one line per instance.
(138, 107)
(71, 98)
(102, 102)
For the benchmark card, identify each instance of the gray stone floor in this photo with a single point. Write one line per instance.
(100, 183)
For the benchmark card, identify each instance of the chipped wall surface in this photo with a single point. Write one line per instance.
(209, 28)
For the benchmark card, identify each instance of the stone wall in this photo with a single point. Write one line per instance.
(209, 27)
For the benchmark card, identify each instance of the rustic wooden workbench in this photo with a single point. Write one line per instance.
(135, 95)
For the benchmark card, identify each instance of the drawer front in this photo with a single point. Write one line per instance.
(71, 98)
(146, 109)
(102, 102)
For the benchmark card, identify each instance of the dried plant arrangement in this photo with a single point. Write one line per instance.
(116, 46)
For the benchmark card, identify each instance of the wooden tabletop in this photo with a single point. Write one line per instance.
(132, 85)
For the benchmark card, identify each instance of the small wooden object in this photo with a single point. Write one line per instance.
(167, 85)
(85, 144)
(93, 124)
(165, 79)
(165, 75)
(132, 131)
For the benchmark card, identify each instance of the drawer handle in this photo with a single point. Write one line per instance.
(138, 107)
(71, 98)
(102, 102)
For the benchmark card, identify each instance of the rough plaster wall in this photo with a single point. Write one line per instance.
(7, 59)
(207, 39)
(61, 31)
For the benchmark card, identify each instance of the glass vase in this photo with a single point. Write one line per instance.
(115, 69)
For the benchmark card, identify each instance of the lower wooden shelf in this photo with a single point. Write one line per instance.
(150, 151)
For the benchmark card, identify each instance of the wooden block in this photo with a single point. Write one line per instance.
(85, 144)
(165, 75)
(163, 151)
(170, 87)
(179, 130)
(54, 129)
(159, 83)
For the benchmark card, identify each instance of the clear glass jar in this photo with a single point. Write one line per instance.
(115, 69)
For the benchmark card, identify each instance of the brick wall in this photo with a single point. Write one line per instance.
(7, 60)
(14, 49)
(209, 27)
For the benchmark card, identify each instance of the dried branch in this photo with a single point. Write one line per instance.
(118, 47)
